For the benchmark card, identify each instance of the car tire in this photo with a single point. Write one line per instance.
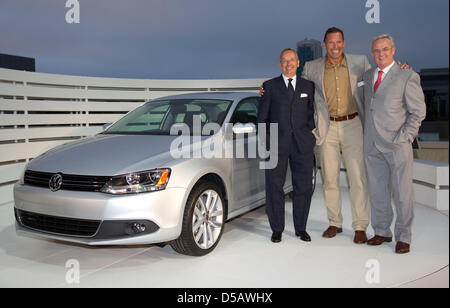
(203, 220)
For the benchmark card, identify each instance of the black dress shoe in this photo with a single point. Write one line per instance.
(276, 237)
(304, 236)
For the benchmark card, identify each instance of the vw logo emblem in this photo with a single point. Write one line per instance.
(55, 182)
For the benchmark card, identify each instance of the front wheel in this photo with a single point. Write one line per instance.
(203, 221)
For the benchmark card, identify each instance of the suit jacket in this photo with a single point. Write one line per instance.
(294, 116)
(314, 71)
(395, 112)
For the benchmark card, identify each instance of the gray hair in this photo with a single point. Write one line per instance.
(286, 50)
(384, 36)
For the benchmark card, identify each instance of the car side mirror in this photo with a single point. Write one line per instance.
(106, 126)
(248, 128)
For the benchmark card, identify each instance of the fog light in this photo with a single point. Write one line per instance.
(138, 228)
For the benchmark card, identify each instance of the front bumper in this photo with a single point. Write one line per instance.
(161, 212)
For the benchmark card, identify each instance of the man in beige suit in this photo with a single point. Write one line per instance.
(339, 114)
(395, 108)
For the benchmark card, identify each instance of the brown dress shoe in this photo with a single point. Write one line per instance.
(331, 232)
(378, 240)
(360, 237)
(401, 247)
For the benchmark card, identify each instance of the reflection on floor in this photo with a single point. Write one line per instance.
(245, 257)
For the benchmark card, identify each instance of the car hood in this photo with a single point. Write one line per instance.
(107, 155)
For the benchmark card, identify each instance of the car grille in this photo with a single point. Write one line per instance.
(57, 225)
(70, 181)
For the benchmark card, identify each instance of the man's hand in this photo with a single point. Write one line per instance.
(404, 66)
(261, 91)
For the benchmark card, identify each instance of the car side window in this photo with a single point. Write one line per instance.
(246, 111)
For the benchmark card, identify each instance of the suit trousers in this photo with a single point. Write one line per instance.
(345, 137)
(391, 174)
(301, 162)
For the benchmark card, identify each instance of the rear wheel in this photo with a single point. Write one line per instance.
(203, 221)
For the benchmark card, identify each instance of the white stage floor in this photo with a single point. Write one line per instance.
(245, 257)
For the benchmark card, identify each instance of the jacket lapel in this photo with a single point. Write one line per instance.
(321, 72)
(283, 89)
(387, 79)
(353, 77)
(297, 87)
(369, 83)
(282, 86)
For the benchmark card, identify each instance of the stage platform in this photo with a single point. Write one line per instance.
(245, 257)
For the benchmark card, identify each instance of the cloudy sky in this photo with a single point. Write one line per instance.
(202, 39)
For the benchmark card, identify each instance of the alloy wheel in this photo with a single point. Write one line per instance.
(207, 219)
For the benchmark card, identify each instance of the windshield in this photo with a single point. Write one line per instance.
(158, 117)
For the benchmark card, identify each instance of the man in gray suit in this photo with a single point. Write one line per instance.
(394, 109)
(338, 119)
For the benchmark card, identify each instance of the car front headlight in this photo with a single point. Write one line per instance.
(137, 182)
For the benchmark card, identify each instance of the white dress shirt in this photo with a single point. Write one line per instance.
(385, 71)
(286, 81)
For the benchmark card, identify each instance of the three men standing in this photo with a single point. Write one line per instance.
(391, 113)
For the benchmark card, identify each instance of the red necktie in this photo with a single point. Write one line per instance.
(377, 83)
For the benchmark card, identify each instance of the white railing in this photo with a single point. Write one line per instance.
(39, 111)
(431, 184)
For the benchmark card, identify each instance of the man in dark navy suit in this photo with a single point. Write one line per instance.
(288, 101)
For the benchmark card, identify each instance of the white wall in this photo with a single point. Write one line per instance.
(39, 111)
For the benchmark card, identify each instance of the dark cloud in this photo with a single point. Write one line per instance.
(209, 38)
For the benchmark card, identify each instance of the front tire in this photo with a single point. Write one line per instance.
(203, 221)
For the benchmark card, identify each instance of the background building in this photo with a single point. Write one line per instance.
(17, 63)
(308, 50)
(435, 87)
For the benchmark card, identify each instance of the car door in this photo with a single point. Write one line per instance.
(247, 178)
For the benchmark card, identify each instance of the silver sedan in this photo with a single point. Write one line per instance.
(145, 181)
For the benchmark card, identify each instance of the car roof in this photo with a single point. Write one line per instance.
(210, 95)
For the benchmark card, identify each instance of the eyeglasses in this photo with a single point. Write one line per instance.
(384, 50)
(288, 61)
